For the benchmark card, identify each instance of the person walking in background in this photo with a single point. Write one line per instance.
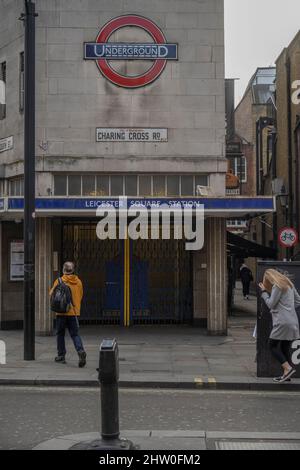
(246, 278)
(281, 297)
(66, 296)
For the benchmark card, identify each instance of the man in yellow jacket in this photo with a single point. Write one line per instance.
(70, 319)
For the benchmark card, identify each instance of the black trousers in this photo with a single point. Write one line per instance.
(281, 350)
(246, 287)
(70, 322)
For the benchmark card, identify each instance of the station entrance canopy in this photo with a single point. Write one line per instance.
(223, 207)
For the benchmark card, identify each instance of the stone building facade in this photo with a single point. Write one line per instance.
(288, 138)
(176, 145)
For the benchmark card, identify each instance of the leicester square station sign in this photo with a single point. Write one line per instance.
(103, 51)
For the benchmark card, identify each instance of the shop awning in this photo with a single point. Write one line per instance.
(247, 249)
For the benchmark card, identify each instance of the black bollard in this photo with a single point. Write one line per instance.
(108, 378)
(109, 395)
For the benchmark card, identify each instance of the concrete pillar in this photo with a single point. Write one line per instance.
(200, 287)
(217, 276)
(43, 277)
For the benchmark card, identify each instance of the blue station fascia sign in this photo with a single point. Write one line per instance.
(89, 204)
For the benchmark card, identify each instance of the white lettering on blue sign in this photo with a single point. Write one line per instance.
(120, 51)
(94, 204)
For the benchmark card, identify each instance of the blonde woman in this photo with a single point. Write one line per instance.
(281, 297)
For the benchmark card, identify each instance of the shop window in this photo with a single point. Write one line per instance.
(74, 185)
(60, 185)
(187, 186)
(2, 90)
(131, 185)
(159, 187)
(145, 186)
(102, 186)
(88, 186)
(116, 185)
(173, 186)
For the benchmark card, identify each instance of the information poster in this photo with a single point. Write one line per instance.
(17, 261)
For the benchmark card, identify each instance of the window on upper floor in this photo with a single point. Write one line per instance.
(2, 90)
(239, 167)
(128, 185)
(16, 187)
(2, 188)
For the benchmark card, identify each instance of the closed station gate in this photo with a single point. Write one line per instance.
(130, 282)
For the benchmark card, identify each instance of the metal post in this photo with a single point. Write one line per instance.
(108, 378)
(109, 383)
(29, 183)
(274, 175)
(257, 159)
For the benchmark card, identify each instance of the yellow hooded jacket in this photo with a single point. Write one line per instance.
(75, 285)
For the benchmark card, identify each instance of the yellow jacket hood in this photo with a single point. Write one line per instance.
(71, 279)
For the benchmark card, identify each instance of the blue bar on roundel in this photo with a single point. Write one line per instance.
(130, 51)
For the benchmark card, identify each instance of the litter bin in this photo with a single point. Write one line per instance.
(267, 366)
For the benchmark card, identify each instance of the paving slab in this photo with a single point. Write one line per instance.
(150, 356)
(186, 440)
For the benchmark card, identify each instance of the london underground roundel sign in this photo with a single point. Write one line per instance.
(103, 51)
(288, 237)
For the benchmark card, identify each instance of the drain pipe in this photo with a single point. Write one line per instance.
(290, 151)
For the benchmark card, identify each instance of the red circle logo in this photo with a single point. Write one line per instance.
(128, 81)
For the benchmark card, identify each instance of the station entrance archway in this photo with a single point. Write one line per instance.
(130, 282)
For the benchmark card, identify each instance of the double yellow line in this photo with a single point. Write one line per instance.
(127, 282)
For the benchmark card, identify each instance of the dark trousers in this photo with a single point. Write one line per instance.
(70, 322)
(246, 288)
(281, 350)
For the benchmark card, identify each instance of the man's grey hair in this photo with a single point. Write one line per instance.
(68, 267)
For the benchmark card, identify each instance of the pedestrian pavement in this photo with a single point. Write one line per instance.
(181, 440)
(168, 356)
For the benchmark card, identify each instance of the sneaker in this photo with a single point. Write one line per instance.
(82, 359)
(278, 379)
(287, 376)
(60, 359)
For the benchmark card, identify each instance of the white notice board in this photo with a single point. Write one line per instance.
(17, 261)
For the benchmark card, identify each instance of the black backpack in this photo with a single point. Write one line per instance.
(61, 298)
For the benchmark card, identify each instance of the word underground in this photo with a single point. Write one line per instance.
(152, 223)
(131, 51)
